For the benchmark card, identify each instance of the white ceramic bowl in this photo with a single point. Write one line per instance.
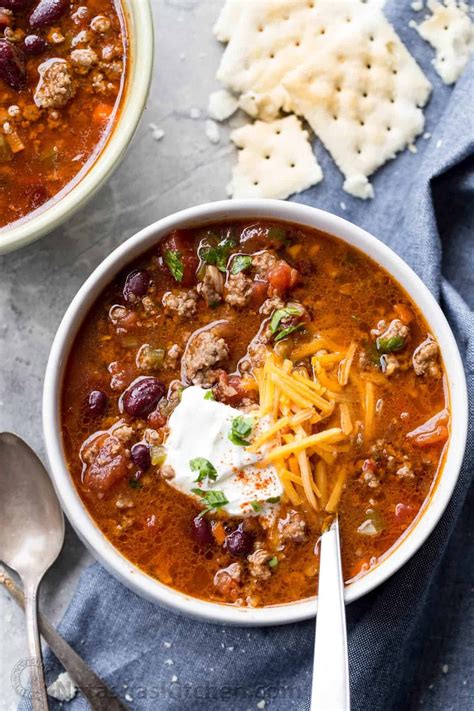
(105, 552)
(140, 64)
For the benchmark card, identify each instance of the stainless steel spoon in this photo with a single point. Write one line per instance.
(31, 537)
(98, 694)
(330, 690)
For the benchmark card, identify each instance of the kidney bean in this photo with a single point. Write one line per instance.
(17, 5)
(48, 12)
(239, 542)
(136, 285)
(34, 45)
(202, 531)
(140, 455)
(97, 402)
(142, 396)
(12, 65)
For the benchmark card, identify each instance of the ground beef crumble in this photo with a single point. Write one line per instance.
(425, 358)
(182, 303)
(258, 564)
(238, 290)
(204, 350)
(55, 86)
(292, 528)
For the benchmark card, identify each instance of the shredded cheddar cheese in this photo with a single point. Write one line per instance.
(316, 385)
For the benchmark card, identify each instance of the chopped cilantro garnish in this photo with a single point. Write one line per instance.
(204, 468)
(273, 500)
(209, 395)
(388, 345)
(281, 314)
(241, 430)
(278, 233)
(214, 499)
(286, 331)
(240, 263)
(134, 484)
(174, 262)
(217, 255)
(256, 505)
(273, 562)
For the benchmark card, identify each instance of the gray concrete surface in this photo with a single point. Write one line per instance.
(38, 282)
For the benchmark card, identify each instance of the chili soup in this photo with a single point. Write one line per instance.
(234, 389)
(62, 74)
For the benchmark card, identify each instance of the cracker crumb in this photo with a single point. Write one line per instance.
(450, 31)
(343, 206)
(221, 105)
(195, 113)
(63, 688)
(426, 135)
(445, 668)
(439, 143)
(412, 148)
(157, 133)
(167, 645)
(359, 186)
(212, 131)
(128, 697)
(261, 704)
(174, 679)
(169, 662)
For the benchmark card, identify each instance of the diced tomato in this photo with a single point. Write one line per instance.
(231, 389)
(108, 466)
(5, 18)
(434, 431)
(180, 244)
(156, 420)
(258, 295)
(282, 277)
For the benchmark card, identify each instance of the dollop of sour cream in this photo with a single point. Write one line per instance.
(200, 427)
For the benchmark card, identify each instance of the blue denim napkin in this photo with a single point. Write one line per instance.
(411, 640)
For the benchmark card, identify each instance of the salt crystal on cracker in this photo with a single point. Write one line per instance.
(450, 32)
(275, 160)
(341, 66)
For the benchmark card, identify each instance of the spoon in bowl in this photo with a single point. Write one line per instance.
(330, 689)
(31, 537)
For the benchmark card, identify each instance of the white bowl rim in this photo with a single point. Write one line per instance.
(139, 23)
(105, 552)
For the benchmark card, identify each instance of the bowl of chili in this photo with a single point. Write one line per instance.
(367, 374)
(74, 84)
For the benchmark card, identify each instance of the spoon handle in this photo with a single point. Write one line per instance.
(100, 697)
(330, 690)
(38, 689)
